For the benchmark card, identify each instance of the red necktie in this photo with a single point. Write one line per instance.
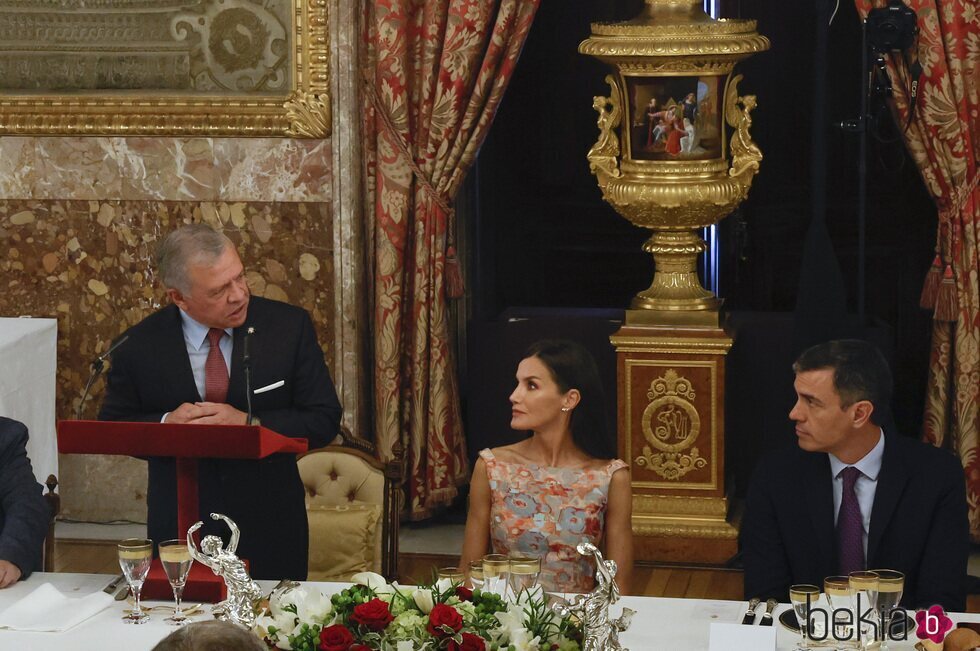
(850, 525)
(215, 371)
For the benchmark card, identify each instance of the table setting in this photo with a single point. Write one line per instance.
(497, 606)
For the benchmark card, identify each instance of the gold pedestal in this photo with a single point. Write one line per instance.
(672, 434)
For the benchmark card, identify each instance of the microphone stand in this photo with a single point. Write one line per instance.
(247, 365)
(98, 365)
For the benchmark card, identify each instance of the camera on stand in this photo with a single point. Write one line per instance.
(891, 28)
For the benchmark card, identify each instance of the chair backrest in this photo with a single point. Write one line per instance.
(353, 502)
(54, 503)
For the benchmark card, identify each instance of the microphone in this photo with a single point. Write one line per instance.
(98, 364)
(247, 365)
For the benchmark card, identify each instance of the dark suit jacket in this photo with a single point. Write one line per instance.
(151, 375)
(918, 523)
(24, 514)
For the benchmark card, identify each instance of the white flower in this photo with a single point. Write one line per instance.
(374, 581)
(313, 607)
(406, 645)
(521, 640)
(423, 599)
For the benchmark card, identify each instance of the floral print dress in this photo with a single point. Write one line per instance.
(547, 511)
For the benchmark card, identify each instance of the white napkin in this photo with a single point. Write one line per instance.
(46, 609)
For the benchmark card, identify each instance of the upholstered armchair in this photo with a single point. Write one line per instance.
(353, 502)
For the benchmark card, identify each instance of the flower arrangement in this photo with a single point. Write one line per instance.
(373, 615)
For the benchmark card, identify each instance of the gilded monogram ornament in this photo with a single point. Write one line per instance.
(671, 424)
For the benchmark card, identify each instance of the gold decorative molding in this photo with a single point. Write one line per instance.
(676, 429)
(254, 81)
(680, 505)
(680, 529)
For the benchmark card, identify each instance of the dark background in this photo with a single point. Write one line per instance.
(548, 257)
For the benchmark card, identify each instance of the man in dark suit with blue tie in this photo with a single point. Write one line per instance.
(24, 515)
(184, 364)
(851, 496)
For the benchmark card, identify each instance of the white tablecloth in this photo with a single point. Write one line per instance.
(28, 361)
(673, 624)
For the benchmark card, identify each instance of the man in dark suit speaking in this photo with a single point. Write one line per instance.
(24, 515)
(184, 364)
(851, 496)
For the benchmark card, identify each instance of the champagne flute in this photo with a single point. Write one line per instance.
(176, 560)
(476, 573)
(135, 556)
(839, 597)
(891, 584)
(496, 568)
(524, 571)
(453, 574)
(803, 596)
(865, 588)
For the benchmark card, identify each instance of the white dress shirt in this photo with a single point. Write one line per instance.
(198, 347)
(864, 487)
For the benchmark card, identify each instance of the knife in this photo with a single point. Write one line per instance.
(750, 613)
(767, 616)
(123, 593)
(112, 584)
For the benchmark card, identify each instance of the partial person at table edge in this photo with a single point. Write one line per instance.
(561, 485)
(852, 496)
(184, 364)
(24, 514)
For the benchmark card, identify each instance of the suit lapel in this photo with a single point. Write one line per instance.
(891, 482)
(819, 492)
(175, 348)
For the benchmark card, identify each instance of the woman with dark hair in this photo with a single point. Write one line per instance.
(561, 485)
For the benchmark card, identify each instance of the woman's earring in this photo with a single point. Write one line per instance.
(564, 408)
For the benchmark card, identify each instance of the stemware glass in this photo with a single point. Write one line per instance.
(451, 573)
(524, 571)
(176, 560)
(802, 596)
(135, 556)
(496, 568)
(865, 588)
(891, 584)
(476, 573)
(839, 598)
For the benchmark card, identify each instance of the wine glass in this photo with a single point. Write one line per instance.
(176, 560)
(476, 573)
(135, 556)
(496, 568)
(891, 584)
(864, 585)
(524, 571)
(802, 596)
(453, 574)
(839, 597)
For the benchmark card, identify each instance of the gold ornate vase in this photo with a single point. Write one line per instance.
(662, 158)
(675, 155)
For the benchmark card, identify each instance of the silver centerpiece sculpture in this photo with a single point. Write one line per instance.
(600, 633)
(243, 593)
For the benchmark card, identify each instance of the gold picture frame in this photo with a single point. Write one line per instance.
(299, 109)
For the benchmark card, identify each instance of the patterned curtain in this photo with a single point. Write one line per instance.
(434, 74)
(943, 137)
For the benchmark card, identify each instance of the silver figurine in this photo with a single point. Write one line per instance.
(243, 593)
(600, 633)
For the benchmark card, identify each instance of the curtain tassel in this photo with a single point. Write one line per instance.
(454, 274)
(946, 308)
(930, 288)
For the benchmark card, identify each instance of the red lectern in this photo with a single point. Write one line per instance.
(186, 443)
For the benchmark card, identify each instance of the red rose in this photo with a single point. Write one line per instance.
(335, 638)
(470, 643)
(374, 614)
(359, 647)
(464, 593)
(444, 621)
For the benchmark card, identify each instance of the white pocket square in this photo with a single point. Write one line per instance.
(270, 387)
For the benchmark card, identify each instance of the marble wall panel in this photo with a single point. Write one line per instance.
(88, 263)
(165, 169)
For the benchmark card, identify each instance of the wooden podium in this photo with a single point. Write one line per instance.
(186, 443)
